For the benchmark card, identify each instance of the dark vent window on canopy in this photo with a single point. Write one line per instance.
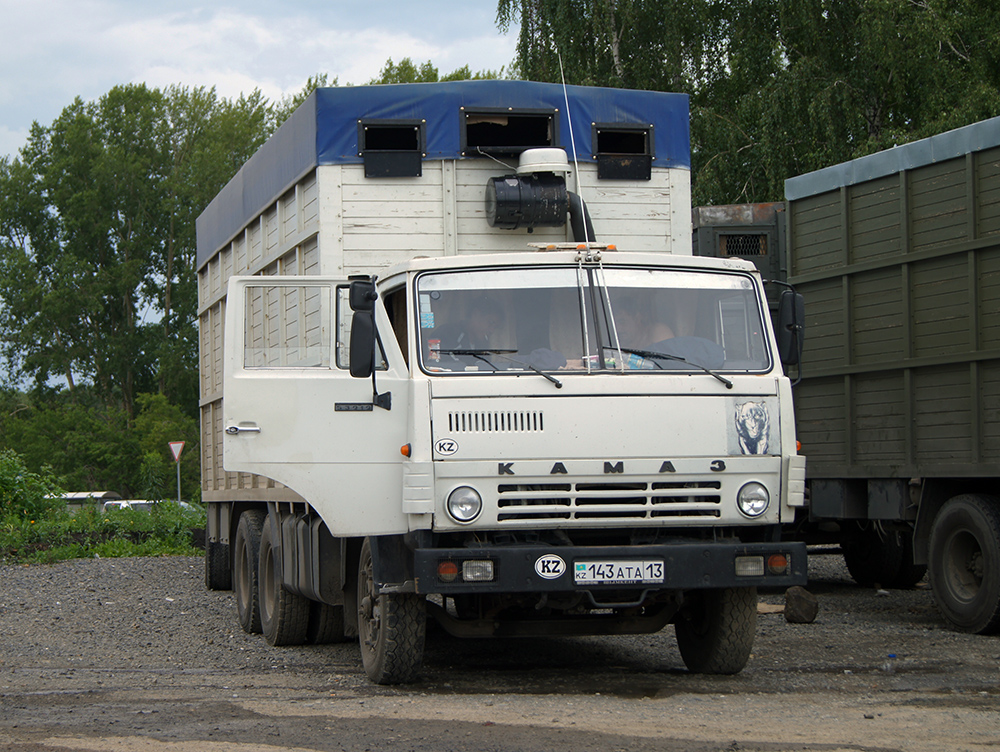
(391, 149)
(507, 132)
(623, 152)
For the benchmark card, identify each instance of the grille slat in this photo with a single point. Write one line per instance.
(626, 500)
(496, 421)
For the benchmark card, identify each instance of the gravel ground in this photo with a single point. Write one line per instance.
(135, 653)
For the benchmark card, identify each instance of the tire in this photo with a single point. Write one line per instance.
(716, 630)
(909, 573)
(218, 572)
(964, 564)
(391, 628)
(245, 565)
(284, 615)
(326, 624)
(873, 556)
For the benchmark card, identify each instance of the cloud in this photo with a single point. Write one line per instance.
(54, 50)
(12, 140)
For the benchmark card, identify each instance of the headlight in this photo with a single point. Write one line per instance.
(753, 499)
(464, 504)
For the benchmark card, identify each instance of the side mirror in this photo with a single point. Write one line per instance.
(363, 295)
(791, 327)
(362, 355)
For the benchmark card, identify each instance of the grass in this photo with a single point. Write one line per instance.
(56, 535)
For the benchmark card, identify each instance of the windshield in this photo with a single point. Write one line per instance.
(565, 319)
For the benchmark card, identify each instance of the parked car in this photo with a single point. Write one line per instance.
(143, 505)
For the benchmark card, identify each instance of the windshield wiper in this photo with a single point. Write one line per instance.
(650, 355)
(530, 367)
(481, 355)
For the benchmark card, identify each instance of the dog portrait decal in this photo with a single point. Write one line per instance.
(753, 427)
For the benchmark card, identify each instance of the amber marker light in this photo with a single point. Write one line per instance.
(405, 450)
(447, 571)
(777, 564)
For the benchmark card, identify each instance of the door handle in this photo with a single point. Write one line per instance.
(233, 430)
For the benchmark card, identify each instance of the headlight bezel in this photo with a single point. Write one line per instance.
(753, 500)
(464, 495)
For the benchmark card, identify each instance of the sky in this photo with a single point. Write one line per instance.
(52, 51)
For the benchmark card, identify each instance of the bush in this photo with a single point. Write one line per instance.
(23, 493)
(36, 528)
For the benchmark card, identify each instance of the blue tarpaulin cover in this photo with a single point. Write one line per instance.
(324, 131)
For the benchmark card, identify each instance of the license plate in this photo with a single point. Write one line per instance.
(614, 572)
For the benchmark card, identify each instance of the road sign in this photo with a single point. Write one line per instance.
(176, 447)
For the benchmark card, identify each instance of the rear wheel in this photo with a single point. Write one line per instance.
(391, 628)
(245, 557)
(284, 615)
(873, 556)
(716, 628)
(326, 624)
(965, 562)
(909, 573)
(218, 573)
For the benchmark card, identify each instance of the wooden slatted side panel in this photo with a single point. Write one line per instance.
(283, 239)
(988, 408)
(875, 226)
(903, 322)
(940, 301)
(943, 415)
(988, 192)
(989, 296)
(389, 220)
(826, 340)
(880, 416)
(877, 316)
(815, 225)
(642, 215)
(938, 203)
(443, 212)
(820, 417)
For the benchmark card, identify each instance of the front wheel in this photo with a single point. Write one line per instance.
(391, 628)
(964, 562)
(716, 628)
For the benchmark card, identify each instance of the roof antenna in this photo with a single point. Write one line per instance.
(588, 232)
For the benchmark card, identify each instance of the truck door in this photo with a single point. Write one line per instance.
(292, 412)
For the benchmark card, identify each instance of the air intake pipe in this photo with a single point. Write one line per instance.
(579, 220)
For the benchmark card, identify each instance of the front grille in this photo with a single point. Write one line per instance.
(627, 501)
(495, 421)
(743, 245)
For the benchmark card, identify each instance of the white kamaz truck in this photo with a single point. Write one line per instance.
(458, 362)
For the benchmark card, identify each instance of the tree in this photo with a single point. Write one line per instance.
(158, 424)
(290, 103)
(777, 87)
(89, 446)
(97, 240)
(406, 72)
(631, 44)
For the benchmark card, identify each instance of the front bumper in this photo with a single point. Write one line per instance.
(536, 569)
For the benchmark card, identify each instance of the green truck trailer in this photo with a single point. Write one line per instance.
(898, 405)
